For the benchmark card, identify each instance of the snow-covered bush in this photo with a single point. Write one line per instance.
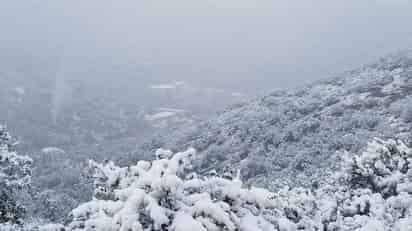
(6, 141)
(372, 192)
(163, 195)
(383, 168)
(15, 174)
(377, 192)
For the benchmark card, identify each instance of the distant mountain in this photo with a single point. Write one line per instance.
(297, 135)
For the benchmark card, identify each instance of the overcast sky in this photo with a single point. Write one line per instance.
(251, 45)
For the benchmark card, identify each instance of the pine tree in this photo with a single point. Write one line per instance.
(15, 175)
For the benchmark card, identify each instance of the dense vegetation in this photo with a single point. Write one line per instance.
(15, 177)
(332, 156)
(294, 135)
(370, 192)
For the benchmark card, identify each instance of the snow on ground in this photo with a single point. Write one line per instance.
(52, 150)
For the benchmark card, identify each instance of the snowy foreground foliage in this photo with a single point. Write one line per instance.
(15, 175)
(162, 196)
(373, 192)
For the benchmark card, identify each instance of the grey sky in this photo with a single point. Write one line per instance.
(244, 44)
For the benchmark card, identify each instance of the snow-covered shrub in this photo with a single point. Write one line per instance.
(6, 141)
(162, 195)
(383, 168)
(372, 192)
(15, 175)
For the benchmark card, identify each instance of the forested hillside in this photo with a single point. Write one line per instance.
(294, 136)
(334, 155)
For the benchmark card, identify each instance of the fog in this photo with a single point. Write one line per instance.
(94, 94)
(243, 45)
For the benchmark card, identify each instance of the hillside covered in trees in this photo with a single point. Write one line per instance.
(334, 155)
(295, 136)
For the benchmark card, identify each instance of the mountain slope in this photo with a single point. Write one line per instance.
(297, 135)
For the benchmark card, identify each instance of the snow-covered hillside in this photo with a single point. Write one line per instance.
(295, 135)
(345, 140)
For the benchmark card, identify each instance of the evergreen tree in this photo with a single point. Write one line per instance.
(15, 175)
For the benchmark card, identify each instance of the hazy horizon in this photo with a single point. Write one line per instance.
(248, 46)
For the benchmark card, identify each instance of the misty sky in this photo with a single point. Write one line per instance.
(248, 45)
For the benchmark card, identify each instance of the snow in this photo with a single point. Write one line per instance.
(373, 225)
(168, 117)
(173, 85)
(171, 109)
(53, 150)
(51, 227)
(303, 128)
(15, 179)
(160, 115)
(369, 193)
(237, 94)
(286, 225)
(185, 222)
(20, 91)
(156, 194)
(163, 86)
(163, 153)
(404, 224)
